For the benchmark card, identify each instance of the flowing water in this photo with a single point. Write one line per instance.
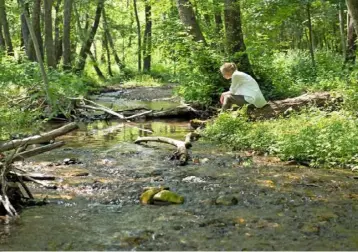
(96, 205)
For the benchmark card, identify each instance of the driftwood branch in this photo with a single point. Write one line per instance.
(38, 138)
(181, 153)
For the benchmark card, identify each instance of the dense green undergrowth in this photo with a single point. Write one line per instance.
(320, 138)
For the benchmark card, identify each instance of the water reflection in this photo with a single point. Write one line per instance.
(107, 133)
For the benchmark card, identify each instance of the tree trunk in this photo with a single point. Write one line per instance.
(49, 45)
(188, 19)
(351, 42)
(234, 37)
(353, 12)
(310, 33)
(139, 36)
(66, 40)
(2, 40)
(111, 42)
(341, 30)
(5, 26)
(25, 30)
(36, 26)
(89, 40)
(58, 38)
(38, 55)
(105, 42)
(96, 67)
(147, 37)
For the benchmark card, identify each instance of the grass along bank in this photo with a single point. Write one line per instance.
(328, 139)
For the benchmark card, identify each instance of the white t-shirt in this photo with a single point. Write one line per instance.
(244, 84)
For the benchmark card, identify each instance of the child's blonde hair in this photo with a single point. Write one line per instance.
(228, 68)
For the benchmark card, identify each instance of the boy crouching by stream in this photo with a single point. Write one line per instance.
(243, 90)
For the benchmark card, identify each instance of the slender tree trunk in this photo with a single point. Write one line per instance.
(5, 26)
(147, 37)
(234, 37)
(111, 42)
(139, 36)
(351, 41)
(66, 40)
(341, 29)
(188, 19)
(58, 38)
(87, 44)
(105, 41)
(2, 40)
(25, 30)
(310, 33)
(36, 25)
(96, 67)
(38, 55)
(49, 44)
(353, 12)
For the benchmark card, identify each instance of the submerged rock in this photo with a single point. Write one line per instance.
(147, 196)
(168, 196)
(226, 200)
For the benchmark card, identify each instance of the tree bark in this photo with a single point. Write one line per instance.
(187, 17)
(139, 35)
(25, 30)
(49, 44)
(341, 29)
(351, 42)
(87, 44)
(147, 37)
(353, 12)
(36, 26)
(234, 36)
(66, 40)
(2, 40)
(5, 26)
(105, 42)
(111, 42)
(310, 33)
(96, 67)
(58, 37)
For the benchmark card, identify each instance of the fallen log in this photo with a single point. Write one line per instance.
(282, 107)
(13, 144)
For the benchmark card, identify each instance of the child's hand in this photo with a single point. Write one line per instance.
(222, 98)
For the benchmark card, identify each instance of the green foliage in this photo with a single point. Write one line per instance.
(329, 139)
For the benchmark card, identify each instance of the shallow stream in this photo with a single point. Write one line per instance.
(96, 205)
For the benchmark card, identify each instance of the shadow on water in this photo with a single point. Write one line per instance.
(278, 207)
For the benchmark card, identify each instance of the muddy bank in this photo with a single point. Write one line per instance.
(96, 205)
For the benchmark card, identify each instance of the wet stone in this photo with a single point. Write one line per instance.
(168, 196)
(226, 200)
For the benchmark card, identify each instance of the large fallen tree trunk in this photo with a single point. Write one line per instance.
(277, 108)
(282, 107)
